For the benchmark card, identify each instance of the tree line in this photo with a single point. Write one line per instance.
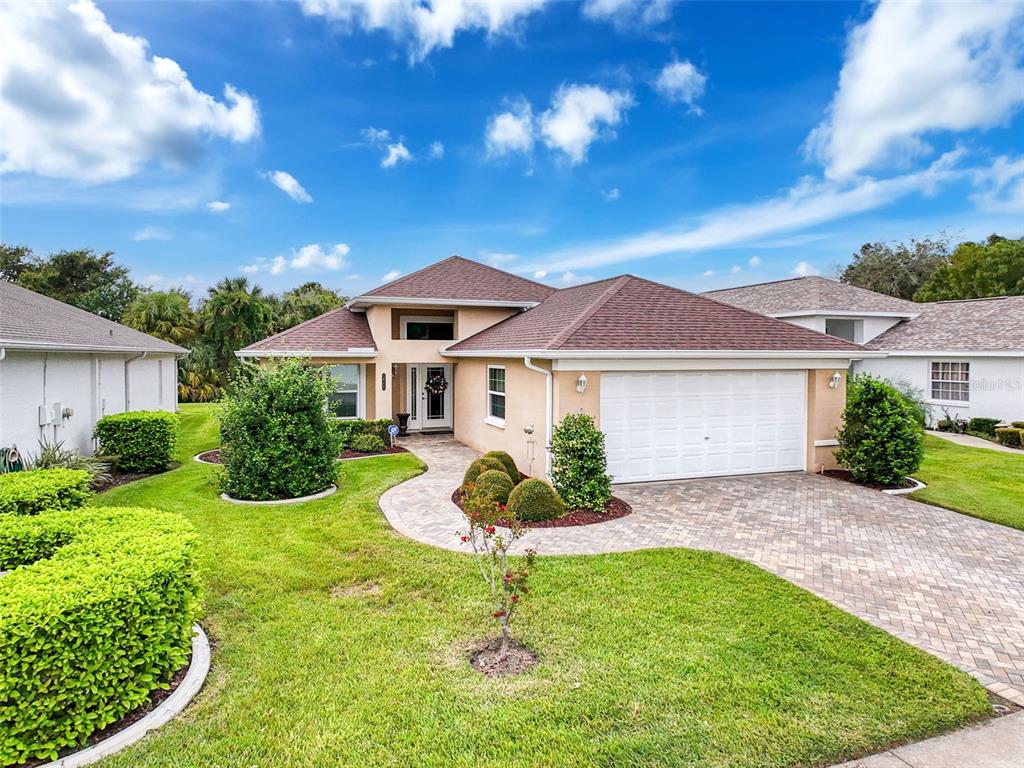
(232, 314)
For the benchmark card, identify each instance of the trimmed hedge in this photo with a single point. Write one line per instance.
(983, 425)
(1010, 436)
(479, 466)
(367, 442)
(95, 615)
(1017, 424)
(494, 484)
(507, 462)
(534, 500)
(349, 429)
(38, 490)
(139, 441)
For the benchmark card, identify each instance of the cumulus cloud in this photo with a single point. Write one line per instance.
(1001, 186)
(218, 206)
(424, 25)
(497, 259)
(151, 233)
(628, 14)
(392, 274)
(682, 83)
(611, 195)
(805, 269)
(395, 154)
(436, 151)
(755, 261)
(735, 269)
(708, 273)
(289, 185)
(915, 68)
(580, 115)
(311, 257)
(81, 101)
(511, 131)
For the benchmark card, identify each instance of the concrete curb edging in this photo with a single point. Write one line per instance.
(168, 709)
(298, 500)
(917, 486)
(204, 461)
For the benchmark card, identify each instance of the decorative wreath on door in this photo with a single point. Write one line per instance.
(436, 384)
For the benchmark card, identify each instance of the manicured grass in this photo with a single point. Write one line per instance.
(664, 658)
(975, 481)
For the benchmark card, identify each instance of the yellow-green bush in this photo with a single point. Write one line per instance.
(37, 490)
(507, 462)
(139, 441)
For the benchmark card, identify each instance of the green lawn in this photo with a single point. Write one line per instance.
(975, 481)
(664, 658)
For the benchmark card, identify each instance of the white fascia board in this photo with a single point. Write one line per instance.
(839, 313)
(702, 364)
(398, 301)
(354, 352)
(955, 353)
(659, 354)
(46, 346)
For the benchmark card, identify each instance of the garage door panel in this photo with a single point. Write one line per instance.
(671, 424)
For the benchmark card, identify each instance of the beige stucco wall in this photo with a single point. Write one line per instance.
(824, 416)
(568, 400)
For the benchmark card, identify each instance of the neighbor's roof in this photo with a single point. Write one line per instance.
(338, 331)
(459, 279)
(29, 320)
(992, 325)
(630, 313)
(812, 294)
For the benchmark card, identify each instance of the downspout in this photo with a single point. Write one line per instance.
(127, 362)
(548, 397)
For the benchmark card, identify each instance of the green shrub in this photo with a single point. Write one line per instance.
(1010, 436)
(534, 500)
(349, 429)
(1017, 424)
(880, 441)
(39, 490)
(480, 466)
(507, 463)
(95, 615)
(982, 425)
(277, 439)
(139, 441)
(367, 443)
(494, 484)
(578, 463)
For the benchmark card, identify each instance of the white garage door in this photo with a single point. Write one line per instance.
(669, 425)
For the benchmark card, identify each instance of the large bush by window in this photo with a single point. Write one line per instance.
(880, 441)
(38, 490)
(95, 614)
(139, 441)
(350, 429)
(578, 463)
(277, 439)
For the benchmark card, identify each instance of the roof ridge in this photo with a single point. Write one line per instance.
(454, 257)
(504, 272)
(617, 285)
(321, 316)
(769, 282)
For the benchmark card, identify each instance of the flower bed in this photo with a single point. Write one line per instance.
(614, 509)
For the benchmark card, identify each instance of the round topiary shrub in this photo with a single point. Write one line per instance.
(534, 500)
(494, 484)
(578, 463)
(881, 441)
(479, 466)
(277, 439)
(39, 490)
(367, 443)
(95, 614)
(507, 462)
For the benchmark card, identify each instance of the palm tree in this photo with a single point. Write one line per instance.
(168, 315)
(199, 381)
(233, 316)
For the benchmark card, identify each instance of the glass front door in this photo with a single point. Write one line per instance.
(430, 396)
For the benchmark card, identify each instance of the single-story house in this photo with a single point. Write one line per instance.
(965, 357)
(681, 385)
(62, 368)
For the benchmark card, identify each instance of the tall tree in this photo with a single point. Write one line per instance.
(14, 260)
(82, 278)
(233, 316)
(978, 270)
(168, 315)
(304, 303)
(896, 270)
(199, 381)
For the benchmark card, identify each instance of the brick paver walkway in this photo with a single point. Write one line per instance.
(950, 584)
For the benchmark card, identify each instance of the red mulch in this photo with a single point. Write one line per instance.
(613, 509)
(348, 453)
(847, 476)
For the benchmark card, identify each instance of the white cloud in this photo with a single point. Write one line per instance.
(311, 257)
(392, 274)
(436, 151)
(914, 68)
(510, 131)
(289, 185)
(83, 102)
(164, 283)
(396, 153)
(755, 261)
(735, 269)
(496, 259)
(708, 273)
(682, 83)
(1001, 187)
(580, 115)
(540, 274)
(152, 233)
(376, 136)
(217, 206)
(424, 25)
(804, 269)
(571, 278)
(611, 195)
(628, 14)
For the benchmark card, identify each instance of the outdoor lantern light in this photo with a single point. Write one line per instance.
(394, 369)
(581, 383)
(834, 381)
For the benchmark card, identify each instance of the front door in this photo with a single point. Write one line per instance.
(430, 395)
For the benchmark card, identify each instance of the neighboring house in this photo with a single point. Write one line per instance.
(965, 357)
(62, 368)
(681, 385)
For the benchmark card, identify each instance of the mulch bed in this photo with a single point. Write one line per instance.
(614, 509)
(485, 659)
(847, 476)
(213, 457)
(348, 453)
(121, 478)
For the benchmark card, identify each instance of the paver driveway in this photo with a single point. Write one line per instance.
(948, 583)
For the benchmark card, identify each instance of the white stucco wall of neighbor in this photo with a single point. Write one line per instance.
(91, 385)
(996, 383)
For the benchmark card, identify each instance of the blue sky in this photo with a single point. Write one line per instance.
(699, 144)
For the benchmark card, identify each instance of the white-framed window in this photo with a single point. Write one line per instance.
(428, 328)
(951, 381)
(496, 395)
(346, 400)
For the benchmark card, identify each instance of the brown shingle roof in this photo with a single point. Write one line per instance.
(32, 320)
(995, 325)
(339, 330)
(631, 313)
(459, 279)
(811, 293)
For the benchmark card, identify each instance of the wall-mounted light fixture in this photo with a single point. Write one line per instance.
(581, 383)
(394, 369)
(833, 383)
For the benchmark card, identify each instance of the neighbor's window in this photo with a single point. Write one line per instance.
(951, 381)
(496, 392)
(429, 329)
(344, 400)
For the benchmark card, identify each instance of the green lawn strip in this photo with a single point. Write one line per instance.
(671, 657)
(975, 481)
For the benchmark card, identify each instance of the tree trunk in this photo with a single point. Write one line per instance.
(506, 639)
